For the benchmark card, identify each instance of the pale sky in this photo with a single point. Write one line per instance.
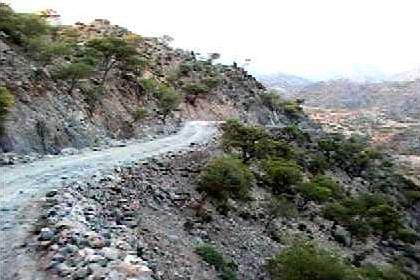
(311, 38)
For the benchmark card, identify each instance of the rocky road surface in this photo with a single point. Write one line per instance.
(22, 185)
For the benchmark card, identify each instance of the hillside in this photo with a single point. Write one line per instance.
(124, 158)
(283, 82)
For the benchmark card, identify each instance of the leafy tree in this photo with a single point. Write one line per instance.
(6, 102)
(75, 72)
(281, 175)
(244, 138)
(113, 51)
(226, 177)
(168, 100)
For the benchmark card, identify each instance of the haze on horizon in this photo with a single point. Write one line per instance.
(314, 39)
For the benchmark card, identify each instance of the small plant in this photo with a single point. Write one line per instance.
(211, 256)
(281, 175)
(320, 188)
(226, 177)
(196, 89)
(6, 102)
(140, 114)
(306, 261)
(278, 207)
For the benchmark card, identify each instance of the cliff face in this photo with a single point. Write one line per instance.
(47, 117)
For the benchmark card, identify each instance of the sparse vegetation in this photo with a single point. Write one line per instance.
(140, 114)
(6, 102)
(320, 188)
(211, 256)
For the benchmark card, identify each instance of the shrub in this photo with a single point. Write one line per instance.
(244, 138)
(281, 175)
(320, 188)
(6, 102)
(211, 256)
(168, 100)
(196, 88)
(371, 272)
(226, 177)
(271, 99)
(292, 108)
(140, 114)
(211, 82)
(149, 85)
(20, 27)
(306, 261)
(45, 50)
(279, 207)
(267, 147)
(318, 164)
(369, 213)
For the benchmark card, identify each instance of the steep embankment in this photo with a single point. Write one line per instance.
(23, 185)
(47, 117)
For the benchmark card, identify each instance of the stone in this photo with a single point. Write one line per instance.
(342, 236)
(110, 253)
(81, 273)
(46, 234)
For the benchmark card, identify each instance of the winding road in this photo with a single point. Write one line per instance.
(22, 185)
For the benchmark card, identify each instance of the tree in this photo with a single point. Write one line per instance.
(168, 100)
(112, 51)
(74, 72)
(226, 177)
(238, 136)
(282, 174)
(6, 102)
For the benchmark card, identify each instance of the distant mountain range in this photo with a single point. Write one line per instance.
(286, 82)
(283, 82)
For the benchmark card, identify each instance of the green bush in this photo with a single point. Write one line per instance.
(168, 100)
(306, 261)
(369, 213)
(226, 177)
(320, 188)
(279, 207)
(196, 88)
(45, 50)
(281, 175)
(211, 256)
(20, 27)
(371, 272)
(149, 85)
(6, 102)
(292, 108)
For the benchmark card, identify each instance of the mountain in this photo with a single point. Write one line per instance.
(410, 75)
(129, 159)
(283, 82)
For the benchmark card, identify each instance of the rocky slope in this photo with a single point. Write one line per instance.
(46, 118)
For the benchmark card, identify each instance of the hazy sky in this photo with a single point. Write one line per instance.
(311, 38)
